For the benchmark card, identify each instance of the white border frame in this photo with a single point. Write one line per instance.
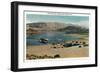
(61, 62)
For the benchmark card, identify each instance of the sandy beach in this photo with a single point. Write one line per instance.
(64, 52)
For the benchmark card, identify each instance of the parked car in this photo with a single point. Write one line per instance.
(67, 45)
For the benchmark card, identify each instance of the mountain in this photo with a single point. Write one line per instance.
(74, 29)
(45, 26)
(40, 27)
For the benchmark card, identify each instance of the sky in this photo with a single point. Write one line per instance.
(76, 20)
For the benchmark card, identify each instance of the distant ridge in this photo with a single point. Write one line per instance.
(55, 26)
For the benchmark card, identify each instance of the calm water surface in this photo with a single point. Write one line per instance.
(53, 37)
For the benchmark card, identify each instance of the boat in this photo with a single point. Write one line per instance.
(43, 40)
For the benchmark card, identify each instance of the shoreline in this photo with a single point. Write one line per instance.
(58, 50)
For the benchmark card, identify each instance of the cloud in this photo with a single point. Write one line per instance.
(84, 24)
(30, 21)
(27, 21)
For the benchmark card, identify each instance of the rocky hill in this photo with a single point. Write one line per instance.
(46, 26)
(74, 29)
(54, 26)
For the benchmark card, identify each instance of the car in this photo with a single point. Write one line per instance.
(67, 45)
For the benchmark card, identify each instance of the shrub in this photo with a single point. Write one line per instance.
(79, 46)
(76, 41)
(57, 56)
(84, 43)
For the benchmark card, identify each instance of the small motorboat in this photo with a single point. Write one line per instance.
(43, 40)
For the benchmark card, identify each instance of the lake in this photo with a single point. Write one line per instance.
(53, 37)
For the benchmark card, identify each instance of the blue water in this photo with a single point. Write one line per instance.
(53, 37)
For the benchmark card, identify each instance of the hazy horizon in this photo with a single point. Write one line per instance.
(75, 20)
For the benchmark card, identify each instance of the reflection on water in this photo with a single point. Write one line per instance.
(53, 37)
